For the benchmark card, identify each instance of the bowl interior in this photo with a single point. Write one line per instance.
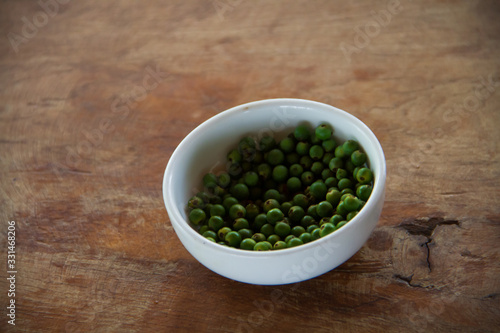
(205, 148)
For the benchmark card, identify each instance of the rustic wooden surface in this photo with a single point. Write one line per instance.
(86, 131)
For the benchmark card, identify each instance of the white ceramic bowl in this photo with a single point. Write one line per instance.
(205, 149)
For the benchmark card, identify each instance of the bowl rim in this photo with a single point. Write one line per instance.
(175, 215)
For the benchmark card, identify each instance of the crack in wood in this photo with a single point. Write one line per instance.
(425, 227)
(490, 296)
(428, 259)
(407, 280)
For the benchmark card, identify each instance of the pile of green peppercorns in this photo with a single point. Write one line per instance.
(277, 195)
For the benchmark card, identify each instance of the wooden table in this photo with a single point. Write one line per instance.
(96, 95)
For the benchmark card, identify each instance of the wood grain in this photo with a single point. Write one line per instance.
(96, 96)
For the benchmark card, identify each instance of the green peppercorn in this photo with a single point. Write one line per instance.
(351, 215)
(296, 170)
(344, 183)
(329, 145)
(196, 202)
(275, 157)
(285, 206)
(274, 215)
(335, 164)
(207, 209)
(333, 197)
(324, 209)
(246, 142)
(259, 221)
(327, 157)
(262, 246)
(211, 234)
(251, 178)
(302, 148)
(311, 228)
(315, 234)
(247, 244)
(341, 210)
(240, 191)
(355, 172)
(203, 228)
(297, 230)
(237, 211)
(267, 143)
(364, 176)
(295, 214)
(301, 133)
(264, 171)
(350, 146)
(351, 203)
(341, 173)
(307, 178)
(317, 167)
(270, 204)
(324, 220)
(233, 238)
(349, 166)
(335, 219)
(326, 173)
(312, 211)
(223, 180)
(339, 152)
(245, 233)
(292, 158)
(247, 148)
(217, 210)
(347, 191)
(197, 216)
(324, 131)
(316, 152)
(215, 222)
(344, 196)
(252, 210)
(234, 156)
(228, 202)
(307, 221)
(222, 232)
(301, 200)
(279, 245)
(280, 173)
(273, 239)
(331, 182)
(358, 158)
(240, 223)
(318, 189)
(293, 184)
(306, 162)
(341, 224)
(259, 237)
(305, 237)
(287, 145)
(294, 242)
(267, 230)
(272, 194)
(363, 192)
(282, 229)
(235, 170)
(326, 229)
